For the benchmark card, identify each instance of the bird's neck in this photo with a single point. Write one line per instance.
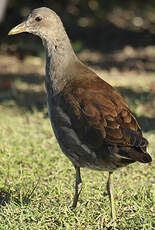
(60, 59)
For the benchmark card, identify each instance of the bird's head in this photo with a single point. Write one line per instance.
(42, 22)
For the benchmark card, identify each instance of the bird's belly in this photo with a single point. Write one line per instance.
(81, 155)
(71, 145)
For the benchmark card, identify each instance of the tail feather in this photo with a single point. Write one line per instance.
(134, 154)
(145, 156)
(134, 139)
(146, 159)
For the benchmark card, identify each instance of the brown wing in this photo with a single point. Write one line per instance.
(103, 109)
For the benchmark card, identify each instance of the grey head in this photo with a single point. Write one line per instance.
(42, 22)
(60, 57)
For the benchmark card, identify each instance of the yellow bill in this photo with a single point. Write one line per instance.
(18, 29)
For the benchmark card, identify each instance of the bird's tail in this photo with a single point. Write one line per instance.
(135, 154)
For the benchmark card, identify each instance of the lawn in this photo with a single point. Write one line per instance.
(37, 180)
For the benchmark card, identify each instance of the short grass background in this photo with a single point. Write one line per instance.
(37, 180)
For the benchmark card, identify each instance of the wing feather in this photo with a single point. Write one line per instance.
(100, 107)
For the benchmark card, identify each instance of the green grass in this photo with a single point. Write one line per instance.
(37, 180)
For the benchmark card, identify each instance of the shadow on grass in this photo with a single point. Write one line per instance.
(136, 96)
(27, 78)
(146, 99)
(19, 198)
(147, 124)
(4, 197)
(24, 198)
(130, 63)
(110, 36)
(27, 99)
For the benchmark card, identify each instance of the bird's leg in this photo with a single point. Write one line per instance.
(111, 197)
(78, 187)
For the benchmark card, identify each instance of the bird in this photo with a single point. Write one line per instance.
(91, 120)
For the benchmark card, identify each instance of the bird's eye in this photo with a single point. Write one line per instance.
(38, 18)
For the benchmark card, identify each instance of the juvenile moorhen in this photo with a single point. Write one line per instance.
(91, 121)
